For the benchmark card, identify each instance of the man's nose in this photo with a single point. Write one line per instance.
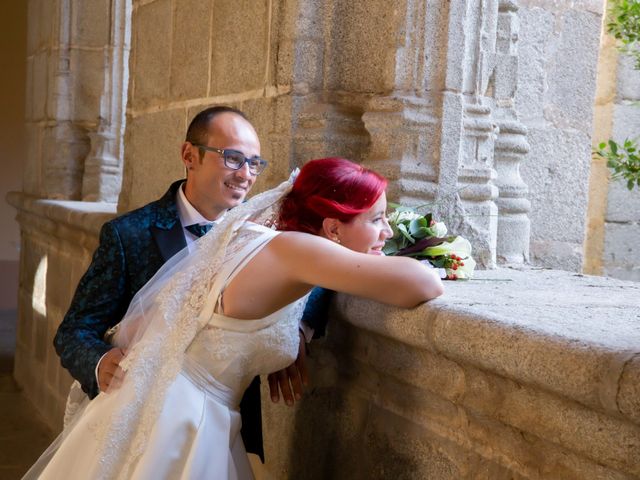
(244, 172)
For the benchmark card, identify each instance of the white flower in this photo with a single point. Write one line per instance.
(403, 216)
(465, 271)
(439, 229)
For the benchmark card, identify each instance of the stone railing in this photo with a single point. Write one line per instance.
(519, 374)
(58, 239)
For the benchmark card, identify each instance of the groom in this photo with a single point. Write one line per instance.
(221, 154)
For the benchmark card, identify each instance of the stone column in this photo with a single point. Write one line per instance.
(64, 143)
(433, 134)
(103, 166)
(511, 144)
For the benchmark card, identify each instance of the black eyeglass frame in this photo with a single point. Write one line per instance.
(254, 168)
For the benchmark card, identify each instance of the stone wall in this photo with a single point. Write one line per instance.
(484, 382)
(58, 239)
(557, 78)
(69, 107)
(614, 225)
(191, 55)
(622, 220)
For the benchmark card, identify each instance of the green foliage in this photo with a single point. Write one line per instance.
(624, 25)
(623, 160)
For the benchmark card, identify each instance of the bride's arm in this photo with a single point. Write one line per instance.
(314, 260)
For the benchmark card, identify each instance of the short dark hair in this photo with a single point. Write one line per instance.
(199, 126)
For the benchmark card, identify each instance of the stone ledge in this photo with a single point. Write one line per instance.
(86, 216)
(574, 335)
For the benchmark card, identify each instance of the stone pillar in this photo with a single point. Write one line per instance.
(433, 135)
(327, 130)
(511, 144)
(64, 143)
(103, 166)
(557, 61)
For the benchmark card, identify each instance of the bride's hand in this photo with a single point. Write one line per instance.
(290, 380)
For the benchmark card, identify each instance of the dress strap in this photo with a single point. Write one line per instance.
(232, 267)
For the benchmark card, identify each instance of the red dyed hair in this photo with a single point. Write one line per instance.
(329, 188)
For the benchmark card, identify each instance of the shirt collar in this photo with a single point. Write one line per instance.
(187, 212)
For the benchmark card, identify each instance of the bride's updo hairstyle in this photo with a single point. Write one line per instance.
(329, 188)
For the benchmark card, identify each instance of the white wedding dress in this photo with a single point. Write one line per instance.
(176, 414)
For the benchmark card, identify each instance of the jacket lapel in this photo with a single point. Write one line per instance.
(167, 229)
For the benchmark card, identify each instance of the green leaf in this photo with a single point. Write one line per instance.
(613, 146)
(630, 184)
(416, 224)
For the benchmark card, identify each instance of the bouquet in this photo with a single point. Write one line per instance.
(421, 237)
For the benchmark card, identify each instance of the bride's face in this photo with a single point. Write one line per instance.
(367, 231)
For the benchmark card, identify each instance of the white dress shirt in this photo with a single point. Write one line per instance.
(188, 215)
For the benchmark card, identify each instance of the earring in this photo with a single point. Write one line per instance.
(337, 240)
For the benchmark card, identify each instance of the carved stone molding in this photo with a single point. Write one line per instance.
(103, 166)
(404, 142)
(511, 145)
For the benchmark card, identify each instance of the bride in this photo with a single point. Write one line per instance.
(213, 318)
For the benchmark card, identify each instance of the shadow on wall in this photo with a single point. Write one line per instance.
(341, 432)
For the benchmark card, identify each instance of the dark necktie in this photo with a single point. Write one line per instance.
(199, 230)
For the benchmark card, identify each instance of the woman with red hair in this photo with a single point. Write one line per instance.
(217, 316)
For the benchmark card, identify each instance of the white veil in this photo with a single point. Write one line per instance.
(161, 322)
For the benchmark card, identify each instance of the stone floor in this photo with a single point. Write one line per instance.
(23, 435)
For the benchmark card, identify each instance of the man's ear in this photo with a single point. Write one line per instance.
(188, 156)
(331, 229)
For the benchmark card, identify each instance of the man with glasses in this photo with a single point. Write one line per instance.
(221, 154)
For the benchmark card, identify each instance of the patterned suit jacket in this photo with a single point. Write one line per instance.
(132, 249)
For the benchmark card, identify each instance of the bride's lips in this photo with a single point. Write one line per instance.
(376, 250)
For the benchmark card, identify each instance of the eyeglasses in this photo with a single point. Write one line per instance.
(235, 159)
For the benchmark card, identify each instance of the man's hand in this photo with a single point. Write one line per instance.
(109, 372)
(291, 379)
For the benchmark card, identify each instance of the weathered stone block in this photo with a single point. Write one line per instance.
(240, 46)
(88, 83)
(363, 45)
(152, 34)
(153, 143)
(536, 33)
(40, 337)
(190, 55)
(556, 170)
(396, 448)
(626, 122)
(435, 53)
(623, 205)
(28, 106)
(25, 329)
(622, 248)
(91, 23)
(574, 62)
(628, 79)
(65, 146)
(31, 181)
(308, 68)
(40, 85)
